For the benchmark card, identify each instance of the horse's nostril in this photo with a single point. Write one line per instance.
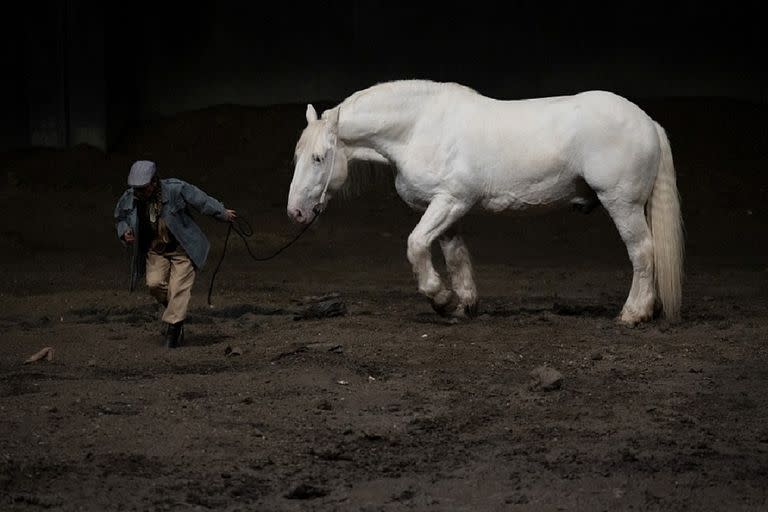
(296, 214)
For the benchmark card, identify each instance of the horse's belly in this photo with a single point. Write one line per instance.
(542, 195)
(509, 203)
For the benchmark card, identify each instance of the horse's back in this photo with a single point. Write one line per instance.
(516, 154)
(535, 152)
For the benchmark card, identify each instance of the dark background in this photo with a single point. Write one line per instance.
(388, 407)
(77, 71)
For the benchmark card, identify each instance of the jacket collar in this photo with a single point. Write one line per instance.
(163, 195)
(163, 191)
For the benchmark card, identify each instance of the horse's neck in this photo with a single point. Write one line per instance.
(381, 117)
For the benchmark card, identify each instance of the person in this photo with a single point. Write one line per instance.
(153, 218)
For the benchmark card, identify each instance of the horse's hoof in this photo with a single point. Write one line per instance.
(444, 303)
(470, 310)
(466, 310)
(626, 322)
(630, 320)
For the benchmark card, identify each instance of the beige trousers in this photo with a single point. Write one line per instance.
(170, 277)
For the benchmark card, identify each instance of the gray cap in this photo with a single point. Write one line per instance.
(141, 173)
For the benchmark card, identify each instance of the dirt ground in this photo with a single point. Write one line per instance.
(384, 406)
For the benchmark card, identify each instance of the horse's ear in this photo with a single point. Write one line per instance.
(311, 114)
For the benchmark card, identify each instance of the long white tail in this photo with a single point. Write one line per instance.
(666, 222)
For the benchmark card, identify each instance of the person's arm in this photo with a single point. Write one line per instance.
(206, 204)
(124, 231)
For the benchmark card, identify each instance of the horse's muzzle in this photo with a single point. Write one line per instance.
(303, 217)
(296, 215)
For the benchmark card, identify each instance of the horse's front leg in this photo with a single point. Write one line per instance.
(459, 266)
(440, 215)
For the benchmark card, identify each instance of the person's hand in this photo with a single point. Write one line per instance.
(129, 237)
(231, 215)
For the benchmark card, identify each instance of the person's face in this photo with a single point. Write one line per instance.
(146, 191)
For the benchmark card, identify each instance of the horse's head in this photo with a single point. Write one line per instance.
(321, 166)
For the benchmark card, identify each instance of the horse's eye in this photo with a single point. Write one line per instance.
(317, 159)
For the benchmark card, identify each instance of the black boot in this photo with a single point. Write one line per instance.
(175, 335)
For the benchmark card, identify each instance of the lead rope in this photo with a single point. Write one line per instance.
(245, 231)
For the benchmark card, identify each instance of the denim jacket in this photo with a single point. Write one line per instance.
(176, 196)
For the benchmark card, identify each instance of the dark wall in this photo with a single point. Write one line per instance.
(160, 58)
(14, 115)
(244, 53)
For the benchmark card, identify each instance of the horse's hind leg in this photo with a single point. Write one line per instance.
(442, 212)
(633, 228)
(459, 267)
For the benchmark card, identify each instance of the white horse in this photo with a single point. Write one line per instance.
(454, 149)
